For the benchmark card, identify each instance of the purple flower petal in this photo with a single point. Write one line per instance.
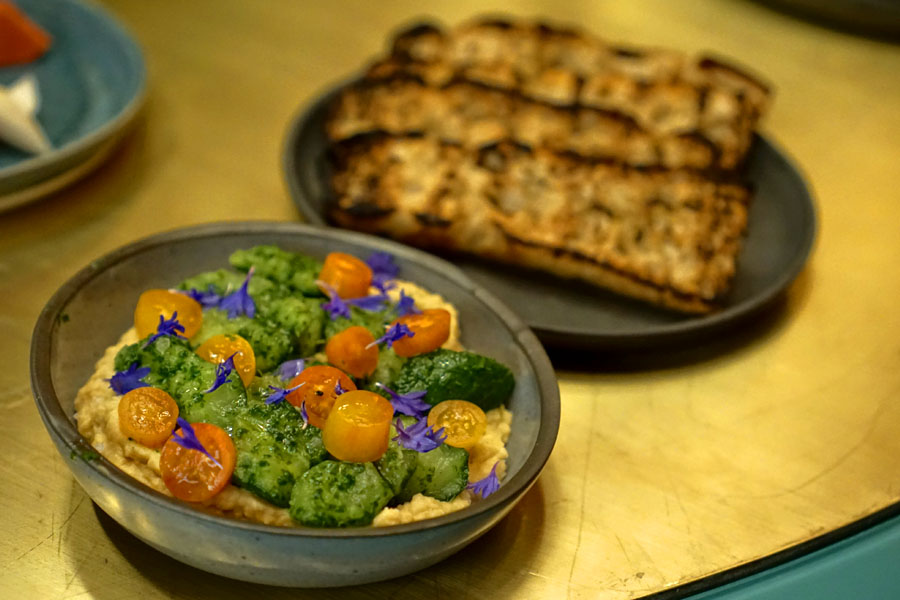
(303, 414)
(396, 332)
(406, 305)
(369, 303)
(419, 436)
(223, 370)
(410, 403)
(487, 486)
(125, 381)
(188, 439)
(239, 302)
(384, 269)
(338, 390)
(207, 299)
(279, 394)
(291, 368)
(170, 327)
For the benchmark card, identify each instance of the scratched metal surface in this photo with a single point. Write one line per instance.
(669, 467)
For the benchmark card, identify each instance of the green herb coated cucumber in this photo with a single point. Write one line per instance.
(339, 494)
(450, 375)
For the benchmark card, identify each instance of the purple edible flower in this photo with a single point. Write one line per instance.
(239, 302)
(398, 331)
(223, 370)
(369, 303)
(406, 305)
(291, 368)
(170, 327)
(207, 299)
(340, 307)
(279, 394)
(487, 486)
(188, 439)
(408, 404)
(419, 436)
(383, 270)
(335, 307)
(338, 390)
(303, 414)
(125, 381)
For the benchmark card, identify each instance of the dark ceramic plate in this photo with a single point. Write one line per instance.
(91, 83)
(564, 313)
(90, 312)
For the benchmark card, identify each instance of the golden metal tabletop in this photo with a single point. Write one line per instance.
(667, 468)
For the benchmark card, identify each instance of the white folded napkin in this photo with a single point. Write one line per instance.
(19, 104)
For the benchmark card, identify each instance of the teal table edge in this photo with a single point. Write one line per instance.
(858, 561)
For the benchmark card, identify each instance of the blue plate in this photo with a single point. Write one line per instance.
(92, 83)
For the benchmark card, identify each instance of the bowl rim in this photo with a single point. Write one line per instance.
(59, 424)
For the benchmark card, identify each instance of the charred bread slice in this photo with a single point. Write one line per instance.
(669, 237)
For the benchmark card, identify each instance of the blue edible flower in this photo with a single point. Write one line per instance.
(239, 302)
(419, 436)
(223, 370)
(335, 307)
(303, 414)
(396, 332)
(170, 327)
(383, 270)
(406, 305)
(188, 439)
(410, 403)
(340, 307)
(291, 368)
(338, 390)
(125, 381)
(487, 486)
(279, 394)
(207, 299)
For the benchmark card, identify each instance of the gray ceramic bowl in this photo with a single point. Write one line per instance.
(91, 310)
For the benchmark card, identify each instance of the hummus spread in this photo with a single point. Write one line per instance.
(97, 415)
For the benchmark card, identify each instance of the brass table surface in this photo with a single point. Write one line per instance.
(667, 469)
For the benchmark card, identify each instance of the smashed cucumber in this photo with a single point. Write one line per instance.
(441, 473)
(451, 375)
(339, 494)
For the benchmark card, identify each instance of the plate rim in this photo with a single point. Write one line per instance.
(108, 131)
(690, 328)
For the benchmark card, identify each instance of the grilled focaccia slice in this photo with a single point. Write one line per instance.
(669, 237)
(662, 93)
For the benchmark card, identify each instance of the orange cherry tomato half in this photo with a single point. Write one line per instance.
(431, 328)
(219, 347)
(358, 427)
(463, 422)
(155, 303)
(318, 391)
(147, 415)
(189, 474)
(349, 276)
(353, 350)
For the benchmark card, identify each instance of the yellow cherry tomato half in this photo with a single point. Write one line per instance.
(347, 275)
(353, 350)
(219, 347)
(155, 303)
(463, 422)
(319, 391)
(147, 415)
(431, 328)
(189, 474)
(358, 426)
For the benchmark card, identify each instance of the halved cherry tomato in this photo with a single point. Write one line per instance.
(319, 391)
(353, 350)
(219, 347)
(463, 422)
(189, 474)
(431, 328)
(155, 303)
(358, 427)
(349, 276)
(147, 415)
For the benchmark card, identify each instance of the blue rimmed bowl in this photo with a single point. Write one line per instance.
(89, 313)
